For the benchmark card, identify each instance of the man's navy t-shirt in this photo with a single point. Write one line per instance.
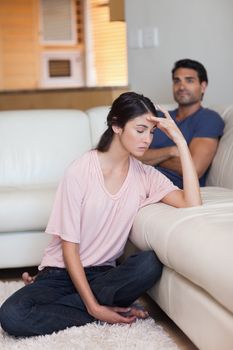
(203, 123)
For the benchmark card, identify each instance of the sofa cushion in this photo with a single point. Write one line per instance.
(195, 242)
(37, 145)
(25, 209)
(22, 249)
(221, 171)
(97, 118)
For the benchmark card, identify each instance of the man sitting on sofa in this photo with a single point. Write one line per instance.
(200, 126)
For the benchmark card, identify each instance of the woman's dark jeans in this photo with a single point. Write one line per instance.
(51, 303)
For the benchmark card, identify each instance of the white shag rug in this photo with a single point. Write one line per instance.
(141, 335)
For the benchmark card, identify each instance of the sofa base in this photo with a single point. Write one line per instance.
(19, 249)
(208, 324)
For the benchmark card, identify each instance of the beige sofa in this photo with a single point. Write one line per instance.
(195, 244)
(196, 248)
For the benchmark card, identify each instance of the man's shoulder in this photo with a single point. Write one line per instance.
(209, 112)
(207, 123)
(209, 116)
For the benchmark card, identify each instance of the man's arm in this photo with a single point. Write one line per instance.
(202, 150)
(156, 156)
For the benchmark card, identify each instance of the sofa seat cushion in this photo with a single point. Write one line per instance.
(195, 242)
(24, 209)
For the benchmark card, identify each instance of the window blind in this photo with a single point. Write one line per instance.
(58, 21)
(109, 41)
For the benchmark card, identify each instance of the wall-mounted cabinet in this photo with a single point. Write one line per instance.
(117, 10)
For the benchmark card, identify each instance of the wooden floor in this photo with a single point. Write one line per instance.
(168, 325)
(154, 310)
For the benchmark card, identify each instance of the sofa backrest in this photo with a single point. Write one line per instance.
(37, 145)
(97, 118)
(221, 171)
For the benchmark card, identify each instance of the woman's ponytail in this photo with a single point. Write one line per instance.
(105, 140)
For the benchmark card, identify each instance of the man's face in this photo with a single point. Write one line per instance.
(187, 89)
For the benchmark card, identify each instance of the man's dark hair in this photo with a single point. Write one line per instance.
(191, 64)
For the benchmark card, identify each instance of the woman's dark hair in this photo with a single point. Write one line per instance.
(127, 106)
(191, 64)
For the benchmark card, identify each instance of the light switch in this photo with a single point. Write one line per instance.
(135, 39)
(150, 37)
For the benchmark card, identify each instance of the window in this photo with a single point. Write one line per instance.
(58, 22)
(62, 69)
(109, 46)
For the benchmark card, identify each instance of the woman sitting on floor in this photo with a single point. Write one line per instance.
(94, 209)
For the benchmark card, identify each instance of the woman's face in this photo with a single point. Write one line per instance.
(137, 135)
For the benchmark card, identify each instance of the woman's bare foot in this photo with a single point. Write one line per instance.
(27, 279)
(139, 312)
(136, 310)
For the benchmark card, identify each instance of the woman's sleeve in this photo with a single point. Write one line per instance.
(157, 186)
(64, 220)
